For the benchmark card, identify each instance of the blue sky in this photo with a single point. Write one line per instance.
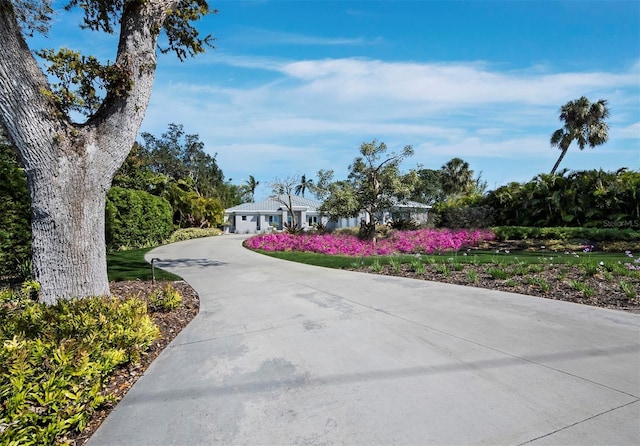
(296, 86)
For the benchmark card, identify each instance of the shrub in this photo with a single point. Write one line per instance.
(403, 224)
(165, 299)
(55, 359)
(15, 217)
(565, 233)
(466, 217)
(136, 219)
(191, 233)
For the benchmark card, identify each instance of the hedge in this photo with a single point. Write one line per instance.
(136, 219)
(564, 233)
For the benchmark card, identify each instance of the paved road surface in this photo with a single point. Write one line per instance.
(289, 354)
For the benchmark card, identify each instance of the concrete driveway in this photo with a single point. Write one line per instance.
(288, 354)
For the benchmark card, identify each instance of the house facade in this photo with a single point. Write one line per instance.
(271, 214)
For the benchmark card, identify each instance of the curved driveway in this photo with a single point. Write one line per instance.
(289, 354)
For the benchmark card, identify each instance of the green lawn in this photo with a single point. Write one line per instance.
(130, 265)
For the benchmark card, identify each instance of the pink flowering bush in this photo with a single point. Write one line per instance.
(425, 241)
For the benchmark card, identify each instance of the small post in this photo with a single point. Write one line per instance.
(153, 270)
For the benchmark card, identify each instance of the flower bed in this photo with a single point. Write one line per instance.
(400, 242)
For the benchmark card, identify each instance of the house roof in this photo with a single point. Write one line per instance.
(410, 204)
(273, 204)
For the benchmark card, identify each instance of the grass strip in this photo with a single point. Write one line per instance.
(131, 265)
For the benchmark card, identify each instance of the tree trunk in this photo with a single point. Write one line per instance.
(555, 167)
(70, 166)
(69, 255)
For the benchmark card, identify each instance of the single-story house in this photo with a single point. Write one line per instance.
(406, 210)
(272, 213)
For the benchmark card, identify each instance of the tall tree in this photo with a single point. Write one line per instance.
(70, 165)
(251, 185)
(181, 156)
(583, 123)
(283, 190)
(304, 185)
(375, 176)
(428, 189)
(456, 177)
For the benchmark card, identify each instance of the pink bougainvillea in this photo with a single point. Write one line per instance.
(425, 241)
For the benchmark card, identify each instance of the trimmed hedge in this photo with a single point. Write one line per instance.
(136, 219)
(15, 217)
(564, 233)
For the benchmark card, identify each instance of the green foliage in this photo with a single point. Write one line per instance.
(628, 289)
(395, 264)
(593, 198)
(583, 123)
(418, 266)
(454, 217)
(55, 359)
(498, 273)
(540, 283)
(585, 289)
(428, 189)
(191, 233)
(81, 78)
(191, 209)
(291, 228)
(165, 299)
(15, 216)
(565, 233)
(136, 219)
(374, 185)
(376, 266)
(83, 81)
(181, 157)
(403, 224)
(456, 177)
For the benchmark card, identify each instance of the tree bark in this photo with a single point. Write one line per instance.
(70, 166)
(555, 166)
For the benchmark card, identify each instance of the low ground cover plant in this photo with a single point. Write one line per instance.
(55, 360)
(421, 241)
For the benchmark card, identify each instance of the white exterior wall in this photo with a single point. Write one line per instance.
(250, 225)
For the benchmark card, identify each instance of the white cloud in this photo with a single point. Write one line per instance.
(312, 114)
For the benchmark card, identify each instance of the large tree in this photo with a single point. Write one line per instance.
(374, 185)
(70, 165)
(283, 189)
(251, 185)
(304, 185)
(583, 123)
(456, 177)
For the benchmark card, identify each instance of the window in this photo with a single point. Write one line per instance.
(312, 220)
(244, 218)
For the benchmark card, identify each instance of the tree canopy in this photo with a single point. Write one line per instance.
(374, 184)
(583, 123)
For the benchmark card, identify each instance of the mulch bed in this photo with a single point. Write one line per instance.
(607, 294)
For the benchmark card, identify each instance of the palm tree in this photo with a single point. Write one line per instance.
(584, 123)
(456, 177)
(303, 186)
(251, 186)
